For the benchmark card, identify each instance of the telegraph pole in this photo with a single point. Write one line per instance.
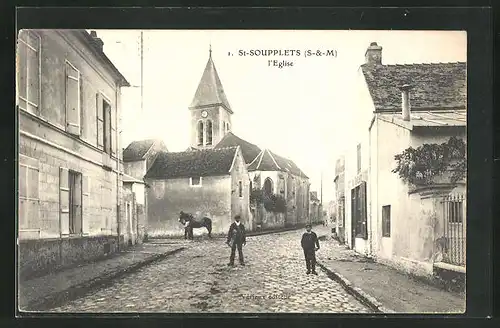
(142, 72)
(321, 189)
(320, 214)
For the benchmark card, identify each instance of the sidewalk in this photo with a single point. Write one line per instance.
(45, 292)
(385, 288)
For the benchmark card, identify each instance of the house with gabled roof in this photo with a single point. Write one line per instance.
(140, 155)
(210, 183)
(414, 228)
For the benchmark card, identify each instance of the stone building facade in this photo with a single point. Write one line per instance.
(70, 182)
(211, 183)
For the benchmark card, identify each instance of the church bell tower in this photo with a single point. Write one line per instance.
(210, 110)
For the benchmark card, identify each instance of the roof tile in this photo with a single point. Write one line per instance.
(210, 90)
(434, 85)
(249, 150)
(206, 162)
(137, 149)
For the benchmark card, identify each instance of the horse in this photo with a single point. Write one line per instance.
(189, 222)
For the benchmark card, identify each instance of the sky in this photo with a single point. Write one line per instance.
(302, 112)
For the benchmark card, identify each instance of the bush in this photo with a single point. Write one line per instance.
(418, 166)
(275, 203)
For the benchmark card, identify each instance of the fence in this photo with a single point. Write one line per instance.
(454, 210)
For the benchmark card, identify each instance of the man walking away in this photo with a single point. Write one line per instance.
(310, 244)
(236, 238)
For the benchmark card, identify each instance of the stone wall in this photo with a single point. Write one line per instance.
(42, 256)
(166, 198)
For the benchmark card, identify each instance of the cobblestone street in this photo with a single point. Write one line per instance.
(199, 280)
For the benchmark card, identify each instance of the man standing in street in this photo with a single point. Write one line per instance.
(310, 244)
(236, 238)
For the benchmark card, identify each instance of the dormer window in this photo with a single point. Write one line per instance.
(195, 181)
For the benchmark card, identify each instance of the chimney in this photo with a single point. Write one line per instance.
(405, 101)
(97, 41)
(373, 55)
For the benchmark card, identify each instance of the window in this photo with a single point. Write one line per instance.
(200, 133)
(28, 192)
(106, 129)
(209, 132)
(386, 221)
(268, 186)
(72, 99)
(28, 71)
(358, 158)
(240, 189)
(100, 121)
(70, 189)
(227, 126)
(108, 134)
(358, 210)
(455, 211)
(195, 182)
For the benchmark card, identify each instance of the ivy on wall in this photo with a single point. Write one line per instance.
(272, 203)
(419, 166)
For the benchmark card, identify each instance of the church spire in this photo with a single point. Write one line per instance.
(210, 91)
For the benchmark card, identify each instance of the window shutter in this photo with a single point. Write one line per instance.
(108, 128)
(100, 121)
(113, 129)
(77, 204)
(64, 200)
(72, 100)
(86, 204)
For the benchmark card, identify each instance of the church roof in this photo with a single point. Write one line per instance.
(210, 91)
(205, 162)
(269, 161)
(249, 150)
(136, 150)
(434, 85)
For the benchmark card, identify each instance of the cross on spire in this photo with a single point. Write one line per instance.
(210, 50)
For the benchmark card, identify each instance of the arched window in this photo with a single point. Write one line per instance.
(209, 132)
(268, 186)
(200, 133)
(228, 127)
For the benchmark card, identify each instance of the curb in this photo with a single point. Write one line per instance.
(45, 303)
(359, 294)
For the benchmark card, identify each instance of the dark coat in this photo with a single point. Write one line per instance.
(236, 234)
(309, 240)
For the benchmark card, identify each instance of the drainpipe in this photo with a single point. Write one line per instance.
(118, 169)
(370, 179)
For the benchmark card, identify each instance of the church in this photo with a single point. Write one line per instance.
(219, 172)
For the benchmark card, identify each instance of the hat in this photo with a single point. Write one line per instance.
(308, 226)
